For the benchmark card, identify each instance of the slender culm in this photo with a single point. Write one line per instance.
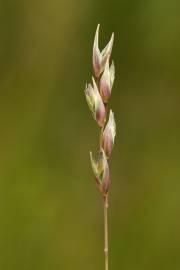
(97, 96)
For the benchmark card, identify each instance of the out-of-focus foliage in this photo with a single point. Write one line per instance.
(50, 211)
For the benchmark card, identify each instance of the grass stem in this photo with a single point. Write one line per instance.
(106, 231)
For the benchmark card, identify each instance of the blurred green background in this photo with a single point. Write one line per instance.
(50, 210)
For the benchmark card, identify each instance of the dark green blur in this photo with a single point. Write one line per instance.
(50, 210)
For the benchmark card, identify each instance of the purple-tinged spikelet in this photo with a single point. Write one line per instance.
(106, 81)
(101, 171)
(109, 135)
(100, 58)
(95, 103)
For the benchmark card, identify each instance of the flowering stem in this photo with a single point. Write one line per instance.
(97, 96)
(106, 231)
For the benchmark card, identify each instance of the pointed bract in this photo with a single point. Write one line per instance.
(97, 58)
(109, 135)
(106, 52)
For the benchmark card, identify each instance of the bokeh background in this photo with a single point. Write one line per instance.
(51, 214)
